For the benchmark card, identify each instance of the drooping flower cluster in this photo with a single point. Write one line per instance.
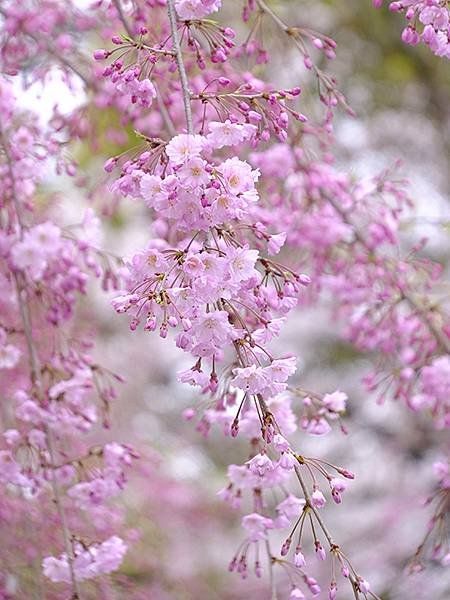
(48, 375)
(48, 29)
(429, 22)
(89, 562)
(224, 299)
(213, 305)
(352, 254)
(213, 288)
(228, 192)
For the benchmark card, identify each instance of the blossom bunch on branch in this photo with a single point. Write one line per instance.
(428, 22)
(250, 220)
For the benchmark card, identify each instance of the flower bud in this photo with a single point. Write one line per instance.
(285, 547)
(101, 54)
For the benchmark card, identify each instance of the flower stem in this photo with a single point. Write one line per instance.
(122, 18)
(181, 69)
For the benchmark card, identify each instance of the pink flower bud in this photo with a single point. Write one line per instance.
(345, 572)
(228, 32)
(320, 551)
(150, 324)
(332, 592)
(188, 414)
(64, 42)
(346, 473)
(232, 565)
(299, 559)
(318, 499)
(187, 324)
(101, 54)
(254, 116)
(297, 594)
(280, 443)
(364, 586)
(110, 164)
(258, 570)
(213, 383)
(312, 584)
(318, 43)
(285, 547)
(304, 279)
(287, 461)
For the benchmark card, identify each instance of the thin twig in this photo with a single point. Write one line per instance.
(122, 18)
(294, 34)
(162, 107)
(333, 546)
(443, 341)
(308, 499)
(179, 58)
(164, 112)
(263, 6)
(273, 583)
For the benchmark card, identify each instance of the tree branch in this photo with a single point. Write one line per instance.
(181, 69)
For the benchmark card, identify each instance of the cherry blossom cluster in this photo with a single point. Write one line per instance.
(243, 201)
(335, 220)
(89, 562)
(428, 22)
(48, 29)
(351, 252)
(226, 299)
(307, 41)
(49, 376)
(181, 183)
(386, 300)
(273, 467)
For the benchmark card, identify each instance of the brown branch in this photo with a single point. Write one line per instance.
(181, 69)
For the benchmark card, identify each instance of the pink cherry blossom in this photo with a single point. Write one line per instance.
(98, 559)
(257, 526)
